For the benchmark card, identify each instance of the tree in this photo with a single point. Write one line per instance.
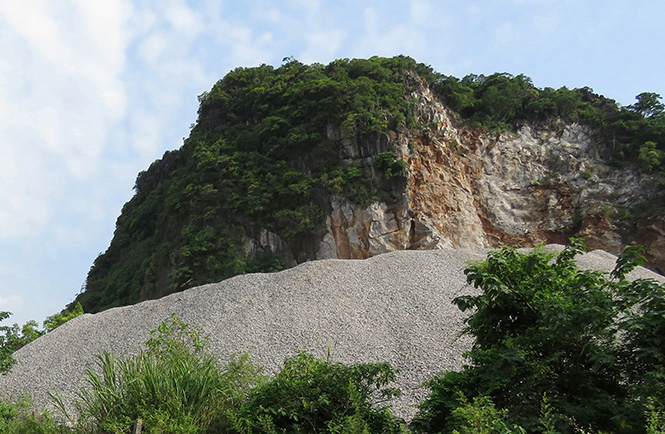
(14, 337)
(6, 359)
(589, 342)
(648, 104)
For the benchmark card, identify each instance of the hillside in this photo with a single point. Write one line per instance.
(361, 157)
(394, 307)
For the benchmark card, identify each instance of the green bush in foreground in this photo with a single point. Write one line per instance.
(175, 386)
(20, 418)
(314, 395)
(591, 343)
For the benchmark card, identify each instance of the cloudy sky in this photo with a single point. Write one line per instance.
(91, 92)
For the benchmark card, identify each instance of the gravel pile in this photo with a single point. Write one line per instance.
(394, 307)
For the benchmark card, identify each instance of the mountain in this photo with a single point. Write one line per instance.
(361, 157)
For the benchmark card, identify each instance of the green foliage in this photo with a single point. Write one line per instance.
(481, 417)
(389, 165)
(270, 146)
(313, 395)
(648, 105)
(20, 418)
(6, 359)
(260, 157)
(54, 321)
(655, 418)
(501, 101)
(543, 327)
(650, 157)
(174, 386)
(14, 337)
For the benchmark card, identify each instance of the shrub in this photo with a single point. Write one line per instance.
(592, 343)
(54, 321)
(313, 395)
(20, 418)
(391, 167)
(481, 417)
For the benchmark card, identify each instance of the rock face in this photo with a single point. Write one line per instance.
(468, 188)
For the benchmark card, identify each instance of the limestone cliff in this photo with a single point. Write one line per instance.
(468, 188)
(361, 157)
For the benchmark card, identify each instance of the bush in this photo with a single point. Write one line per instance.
(54, 321)
(389, 165)
(591, 343)
(313, 395)
(20, 418)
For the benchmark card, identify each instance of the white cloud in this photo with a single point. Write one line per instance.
(421, 11)
(153, 47)
(32, 22)
(506, 34)
(10, 303)
(184, 20)
(546, 23)
(61, 94)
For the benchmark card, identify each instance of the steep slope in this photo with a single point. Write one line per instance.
(470, 188)
(361, 157)
(394, 307)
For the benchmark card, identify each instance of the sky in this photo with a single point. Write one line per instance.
(92, 92)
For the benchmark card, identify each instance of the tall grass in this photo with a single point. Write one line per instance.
(174, 386)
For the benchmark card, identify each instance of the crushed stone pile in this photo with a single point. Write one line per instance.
(394, 308)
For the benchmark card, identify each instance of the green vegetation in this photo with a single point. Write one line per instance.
(175, 386)
(13, 337)
(313, 395)
(389, 165)
(557, 350)
(20, 418)
(632, 134)
(271, 145)
(585, 347)
(259, 157)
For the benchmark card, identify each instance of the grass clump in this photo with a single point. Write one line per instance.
(174, 386)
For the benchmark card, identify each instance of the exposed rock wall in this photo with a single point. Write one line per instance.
(468, 188)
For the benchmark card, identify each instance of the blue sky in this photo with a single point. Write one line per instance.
(91, 92)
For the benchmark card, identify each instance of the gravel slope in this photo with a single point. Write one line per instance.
(395, 307)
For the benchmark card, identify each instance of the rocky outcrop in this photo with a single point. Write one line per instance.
(468, 188)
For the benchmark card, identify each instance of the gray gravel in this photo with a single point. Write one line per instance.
(395, 307)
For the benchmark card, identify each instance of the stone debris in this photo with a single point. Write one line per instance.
(394, 308)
